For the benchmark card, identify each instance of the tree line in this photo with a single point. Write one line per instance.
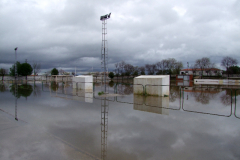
(23, 69)
(166, 66)
(172, 66)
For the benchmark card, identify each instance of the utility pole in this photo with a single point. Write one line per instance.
(16, 63)
(16, 84)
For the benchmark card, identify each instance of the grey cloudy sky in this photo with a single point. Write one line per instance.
(67, 33)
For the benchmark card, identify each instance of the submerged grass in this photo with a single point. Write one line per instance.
(100, 93)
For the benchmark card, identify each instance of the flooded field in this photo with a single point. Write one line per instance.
(46, 121)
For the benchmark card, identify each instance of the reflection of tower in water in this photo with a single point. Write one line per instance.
(104, 127)
(16, 90)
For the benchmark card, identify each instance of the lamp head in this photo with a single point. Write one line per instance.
(107, 16)
(16, 48)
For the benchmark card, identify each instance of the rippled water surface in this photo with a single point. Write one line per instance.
(51, 120)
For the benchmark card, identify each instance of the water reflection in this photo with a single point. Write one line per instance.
(174, 93)
(54, 85)
(226, 98)
(83, 95)
(111, 84)
(65, 91)
(3, 87)
(202, 95)
(36, 90)
(207, 96)
(104, 127)
(237, 107)
(124, 89)
(127, 131)
(159, 105)
(22, 90)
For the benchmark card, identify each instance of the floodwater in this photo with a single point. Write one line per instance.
(46, 121)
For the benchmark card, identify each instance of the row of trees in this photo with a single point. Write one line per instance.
(23, 69)
(172, 66)
(166, 66)
(55, 71)
(205, 64)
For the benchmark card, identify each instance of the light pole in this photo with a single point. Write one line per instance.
(16, 63)
(16, 85)
(104, 55)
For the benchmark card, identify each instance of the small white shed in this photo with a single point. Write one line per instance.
(83, 82)
(156, 85)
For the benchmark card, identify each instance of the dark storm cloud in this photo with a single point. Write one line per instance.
(67, 33)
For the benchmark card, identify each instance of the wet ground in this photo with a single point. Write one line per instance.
(50, 120)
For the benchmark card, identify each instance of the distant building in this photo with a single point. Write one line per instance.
(199, 72)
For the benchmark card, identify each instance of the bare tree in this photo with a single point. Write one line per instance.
(36, 68)
(228, 62)
(121, 67)
(48, 73)
(142, 70)
(3, 72)
(171, 64)
(151, 68)
(135, 71)
(202, 63)
(117, 70)
(178, 66)
(161, 66)
(129, 69)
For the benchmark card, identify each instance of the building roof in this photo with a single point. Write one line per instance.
(198, 69)
(153, 76)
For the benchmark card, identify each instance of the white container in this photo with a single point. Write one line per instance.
(155, 85)
(83, 82)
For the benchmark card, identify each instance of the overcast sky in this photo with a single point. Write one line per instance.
(68, 33)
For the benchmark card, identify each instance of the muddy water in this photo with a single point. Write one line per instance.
(57, 122)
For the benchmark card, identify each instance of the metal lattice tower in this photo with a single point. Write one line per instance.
(104, 127)
(104, 50)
